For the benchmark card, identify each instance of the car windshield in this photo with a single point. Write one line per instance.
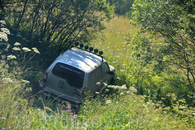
(72, 75)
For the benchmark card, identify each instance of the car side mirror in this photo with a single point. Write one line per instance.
(110, 73)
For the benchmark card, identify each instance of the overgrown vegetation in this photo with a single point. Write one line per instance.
(172, 21)
(122, 7)
(52, 26)
(150, 92)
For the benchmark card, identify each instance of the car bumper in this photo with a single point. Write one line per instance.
(61, 97)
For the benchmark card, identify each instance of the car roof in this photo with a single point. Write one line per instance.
(81, 59)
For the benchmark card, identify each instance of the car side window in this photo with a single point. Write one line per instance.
(95, 76)
(105, 68)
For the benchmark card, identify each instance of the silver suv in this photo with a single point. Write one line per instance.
(74, 72)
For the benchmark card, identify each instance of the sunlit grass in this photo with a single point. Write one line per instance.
(128, 111)
(115, 42)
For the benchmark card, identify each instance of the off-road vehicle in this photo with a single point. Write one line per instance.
(75, 72)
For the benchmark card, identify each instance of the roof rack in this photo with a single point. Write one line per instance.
(89, 49)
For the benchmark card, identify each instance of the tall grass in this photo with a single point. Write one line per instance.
(127, 111)
(115, 43)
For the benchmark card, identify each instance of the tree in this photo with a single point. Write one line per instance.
(4, 3)
(52, 26)
(122, 7)
(174, 21)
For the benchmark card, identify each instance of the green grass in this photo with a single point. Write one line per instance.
(115, 43)
(123, 109)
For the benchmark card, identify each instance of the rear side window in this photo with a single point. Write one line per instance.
(95, 76)
(105, 69)
(72, 75)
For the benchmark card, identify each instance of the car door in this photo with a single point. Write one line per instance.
(106, 73)
(95, 79)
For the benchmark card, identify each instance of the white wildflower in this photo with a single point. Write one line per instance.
(129, 92)
(110, 86)
(26, 49)
(97, 93)
(105, 84)
(5, 30)
(3, 36)
(98, 83)
(122, 70)
(16, 48)
(107, 90)
(35, 50)
(121, 94)
(132, 89)
(17, 44)
(10, 57)
(2, 22)
(108, 101)
(116, 87)
(25, 81)
(7, 80)
(118, 78)
(124, 86)
(8, 46)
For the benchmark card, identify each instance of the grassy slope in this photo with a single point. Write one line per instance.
(127, 111)
(115, 42)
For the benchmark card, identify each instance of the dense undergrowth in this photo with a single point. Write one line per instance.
(141, 97)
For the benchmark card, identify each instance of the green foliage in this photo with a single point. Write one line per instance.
(122, 7)
(173, 21)
(140, 64)
(52, 26)
(128, 112)
(19, 63)
(3, 4)
(153, 75)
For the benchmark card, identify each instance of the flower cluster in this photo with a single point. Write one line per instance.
(3, 36)
(7, 80)
(10, 57)
(35, 50)
(5, 30)
(26, 49)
